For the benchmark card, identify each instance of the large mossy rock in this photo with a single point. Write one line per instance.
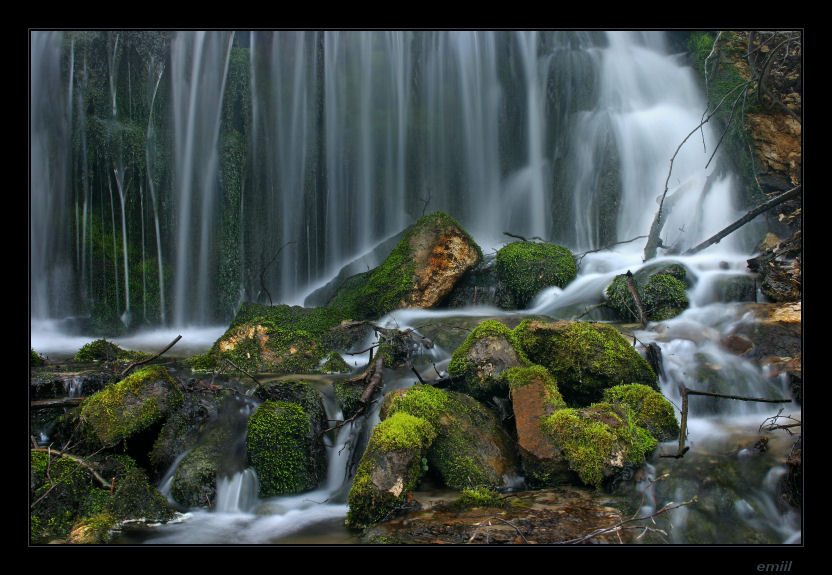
(284, 449)
(421, 271)
(534, 397)
(663, 295)
(476, 366)
(195, 479)
(527, 267)
(69, 503)
(133, 405)
(280, 339)
(599, 442)
(391, 467)
(647, 408)
(471, 448)
(585, 358)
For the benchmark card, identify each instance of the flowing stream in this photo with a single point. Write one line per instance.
(353, 136)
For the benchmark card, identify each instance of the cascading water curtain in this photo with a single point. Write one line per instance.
(267, 160)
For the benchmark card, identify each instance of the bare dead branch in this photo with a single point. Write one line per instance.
(785, 196)
(151, 358)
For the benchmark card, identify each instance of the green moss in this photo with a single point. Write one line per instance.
(279, 449)
(664, 297)
(467, 436)
(390, 285)
(131, 405)
(519, 377)
(478, 497)
(63, 492)
(469, 376)
(103, 350)
(135, 497)
(648, 408)
(528, 267)
(663, 294)
(584, 357)
(403, 437)
(94, 530)
(598, 441)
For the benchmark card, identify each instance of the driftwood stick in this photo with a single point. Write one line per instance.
(57, 402)
(683, 424)
(151, 358)
(631, 285)
(785, 196)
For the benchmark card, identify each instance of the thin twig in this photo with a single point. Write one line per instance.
(151, 358)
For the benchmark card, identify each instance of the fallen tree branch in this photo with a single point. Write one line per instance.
(373, 377)
(653, 240)
(151, 358)
(683, 424)
(580, 257)
(631, 285)
(57, 402)
(81, 463)
(785, 196)
(621, 524)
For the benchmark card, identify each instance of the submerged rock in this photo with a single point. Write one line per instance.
(544, 517)
(663, 294)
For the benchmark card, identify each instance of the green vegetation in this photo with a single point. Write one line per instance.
(598, 441)
(400, 442)
(584, 357)
(480, 376)
(280, 447)
(103, 350)
(131, 405)
(478, 497)
(528, 267)
(390, 286)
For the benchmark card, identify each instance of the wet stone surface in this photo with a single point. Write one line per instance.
(561, 515)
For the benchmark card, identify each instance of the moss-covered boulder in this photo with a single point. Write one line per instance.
(69, 503)
(390, 468)
(284, 449)
(599, 442)
(527, 267)
(63, 492)
(647, 408)
(471, 448)
(279, 339)
(663, 294)
(421, 271)
(535, 396)
(102, 350)
(135, 404)
(194, 482)
(585, 358)
(476, 366)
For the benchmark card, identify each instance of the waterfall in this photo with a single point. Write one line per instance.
(198, 67)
